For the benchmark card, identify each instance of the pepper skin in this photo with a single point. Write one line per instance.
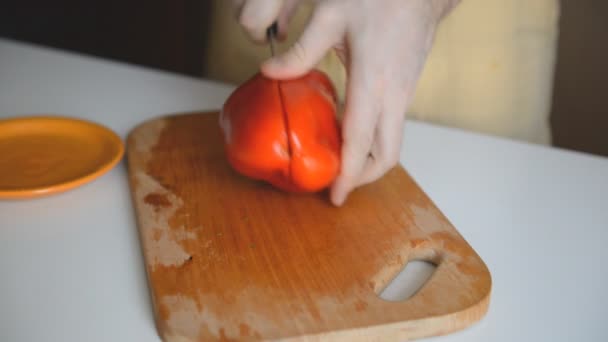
(284, 132)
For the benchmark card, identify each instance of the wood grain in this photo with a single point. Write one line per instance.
(232, 259)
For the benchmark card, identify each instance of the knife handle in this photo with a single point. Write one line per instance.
(272, 31)
(271, 34)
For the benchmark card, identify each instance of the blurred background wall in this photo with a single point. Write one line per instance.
(171, 36)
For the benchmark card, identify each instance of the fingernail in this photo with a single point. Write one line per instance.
(338, 199)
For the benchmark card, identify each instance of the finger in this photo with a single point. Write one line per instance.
(358, 128)
(257, 15)
(324, 30)
(385, 150)
(341, 51)
(290, 7)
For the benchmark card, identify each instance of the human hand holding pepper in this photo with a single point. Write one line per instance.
(383, 43)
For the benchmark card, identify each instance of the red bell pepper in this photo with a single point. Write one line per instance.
(284, 132)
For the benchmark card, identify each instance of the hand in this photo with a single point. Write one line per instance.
(383, 43)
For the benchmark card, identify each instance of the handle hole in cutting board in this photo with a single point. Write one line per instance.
(409, 281)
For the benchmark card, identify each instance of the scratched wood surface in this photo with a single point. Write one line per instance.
(231, 259)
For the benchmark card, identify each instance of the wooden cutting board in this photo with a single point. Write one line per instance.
(231, 259)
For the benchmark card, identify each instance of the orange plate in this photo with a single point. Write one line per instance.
(45, 155)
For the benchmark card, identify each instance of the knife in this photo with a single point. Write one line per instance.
(271, 34)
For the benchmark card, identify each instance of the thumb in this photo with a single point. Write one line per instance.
(323, 31)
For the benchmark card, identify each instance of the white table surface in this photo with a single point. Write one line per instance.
(71, 267)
